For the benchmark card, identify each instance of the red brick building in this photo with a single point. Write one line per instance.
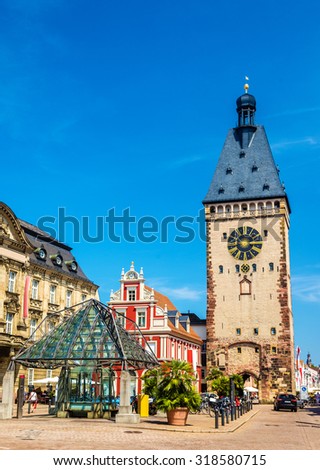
(167, 331)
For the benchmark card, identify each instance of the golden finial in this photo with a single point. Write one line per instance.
(246, 85)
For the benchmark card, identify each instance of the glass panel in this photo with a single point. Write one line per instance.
(91, 336)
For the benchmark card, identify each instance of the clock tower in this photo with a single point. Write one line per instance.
(249, 312)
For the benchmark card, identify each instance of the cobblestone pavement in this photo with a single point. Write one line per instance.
(261, 428)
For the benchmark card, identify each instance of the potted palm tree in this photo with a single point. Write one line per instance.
(172, 387)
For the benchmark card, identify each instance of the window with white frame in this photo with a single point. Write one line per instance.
(52, 294)
(33, 327)
(153, 346)
(9, 323)
(49, 372)
(35, 289)
(121, 313)
(141, 318)
(12, 281)
(50, 326)
(30, 376)
(121, 320)
(68, 298)
(132, 294)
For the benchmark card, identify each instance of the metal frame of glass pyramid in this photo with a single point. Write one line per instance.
(90, 336)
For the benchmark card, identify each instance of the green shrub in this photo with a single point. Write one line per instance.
(172, 386)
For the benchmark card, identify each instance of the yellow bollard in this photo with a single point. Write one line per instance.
(143, 406)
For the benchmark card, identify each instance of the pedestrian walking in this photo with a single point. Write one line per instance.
(33, 399)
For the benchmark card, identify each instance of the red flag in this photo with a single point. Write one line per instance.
(298, 367)
(26, 297)
(298, 358)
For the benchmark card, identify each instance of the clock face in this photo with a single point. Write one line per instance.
(244, 243)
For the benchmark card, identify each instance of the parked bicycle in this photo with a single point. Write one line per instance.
(222, 404)
(208, 399)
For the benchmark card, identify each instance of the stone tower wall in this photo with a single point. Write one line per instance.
(251, 300)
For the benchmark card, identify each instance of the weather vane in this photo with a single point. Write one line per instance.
(246, 85)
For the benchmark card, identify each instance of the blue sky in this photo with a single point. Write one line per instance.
(126, 105)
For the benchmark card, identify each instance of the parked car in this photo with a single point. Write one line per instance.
(285, 401)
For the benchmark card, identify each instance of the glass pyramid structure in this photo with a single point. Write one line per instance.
(92, 337)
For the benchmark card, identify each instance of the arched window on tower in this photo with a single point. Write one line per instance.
(245, 286)
(220, 269)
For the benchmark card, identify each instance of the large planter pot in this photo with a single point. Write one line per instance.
(178, 416)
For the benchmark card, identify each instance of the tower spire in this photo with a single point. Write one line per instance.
(246, 85)
(246, 107)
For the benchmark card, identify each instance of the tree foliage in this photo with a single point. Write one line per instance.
(221, 383)
(172, 384)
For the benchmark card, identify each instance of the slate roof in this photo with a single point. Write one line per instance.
(195, 319)
(245, 173)
(39, 238)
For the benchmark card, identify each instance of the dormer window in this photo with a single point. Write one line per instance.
(41, 253)
(241, 188)
(266, 187)
(57, 259)
(72, 265)
(229, 171)
(221, 190)
(242, 154)
(254, 168)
